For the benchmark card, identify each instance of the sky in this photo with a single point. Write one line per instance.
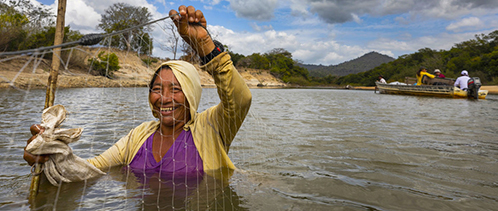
(326, 32)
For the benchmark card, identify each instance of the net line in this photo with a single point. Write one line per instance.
(201, 197)
(89, 39)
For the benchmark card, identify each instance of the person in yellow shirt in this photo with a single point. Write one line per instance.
(420, 74)
(182, 140)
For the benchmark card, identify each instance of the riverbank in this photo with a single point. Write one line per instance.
(20, 73)
(69, 79)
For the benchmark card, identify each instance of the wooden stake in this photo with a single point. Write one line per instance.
(51, 86)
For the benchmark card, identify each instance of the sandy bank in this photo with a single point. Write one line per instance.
(133, 73)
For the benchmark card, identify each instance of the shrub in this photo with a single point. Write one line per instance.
(148, 61)
(104, 65)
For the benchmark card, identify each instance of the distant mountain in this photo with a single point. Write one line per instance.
(358, 65)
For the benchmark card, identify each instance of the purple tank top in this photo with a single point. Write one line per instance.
(182, 159)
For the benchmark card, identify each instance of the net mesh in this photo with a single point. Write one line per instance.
(107, 108)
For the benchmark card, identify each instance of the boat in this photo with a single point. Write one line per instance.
(436, 87)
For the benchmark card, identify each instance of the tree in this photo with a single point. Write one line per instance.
(46, 38)
(172, 41)
(11, 27)
(20, 19)
(39, 16)
(122, 16)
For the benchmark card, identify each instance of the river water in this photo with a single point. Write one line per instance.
(298, 149)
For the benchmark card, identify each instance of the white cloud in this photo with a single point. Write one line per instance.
(338, 11)
(298, 7)
(215, 2)
(254, 9)
(356, 18)
(258, 28)
(313, 32)
(82, 17)
(465, 24)
(390, 45)
(255, 26)
(297, 42)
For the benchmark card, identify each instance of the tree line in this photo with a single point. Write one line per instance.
(25, 26)
(278, 61)
(479, 56)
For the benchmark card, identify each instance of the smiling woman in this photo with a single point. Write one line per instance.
(167, 99)
(183, 143)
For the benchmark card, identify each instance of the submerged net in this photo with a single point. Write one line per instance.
(107, 108)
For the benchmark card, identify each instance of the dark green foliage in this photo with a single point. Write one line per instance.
(24, 26)
(280, 63)
(479, 56)
(46, 38)
(235, 57)
(105, 65)
(19, 20)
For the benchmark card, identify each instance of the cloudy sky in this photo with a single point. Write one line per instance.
(324, 32)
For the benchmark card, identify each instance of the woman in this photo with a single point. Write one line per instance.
(420, 74)
(183, 141)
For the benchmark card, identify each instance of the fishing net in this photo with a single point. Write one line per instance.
(107, 103)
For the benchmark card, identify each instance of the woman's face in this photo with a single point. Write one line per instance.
(167, 99)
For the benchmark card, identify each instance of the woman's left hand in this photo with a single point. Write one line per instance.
(191, 25)
(30, 158)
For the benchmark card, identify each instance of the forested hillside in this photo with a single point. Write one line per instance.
(358, 65)
(479, 56)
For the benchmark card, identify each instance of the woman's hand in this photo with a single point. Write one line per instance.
(191, 25)
(30, 158)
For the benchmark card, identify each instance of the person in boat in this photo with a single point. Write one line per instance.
(462, 81)
(438, 74)
(420, 74)
(182, 140)
(382, 80)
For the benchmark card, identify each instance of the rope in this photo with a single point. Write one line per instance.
(89, 39)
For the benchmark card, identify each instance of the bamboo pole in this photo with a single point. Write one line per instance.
(51, 86)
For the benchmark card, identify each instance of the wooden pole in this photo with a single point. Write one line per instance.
(54, 72)
(51, 86)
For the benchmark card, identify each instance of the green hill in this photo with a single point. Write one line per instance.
(478, 56)
(358, 65)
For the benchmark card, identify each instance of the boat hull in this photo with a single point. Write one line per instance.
(427, 90)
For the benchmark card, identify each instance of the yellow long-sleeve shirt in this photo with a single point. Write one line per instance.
(213, 130)
(419, 78)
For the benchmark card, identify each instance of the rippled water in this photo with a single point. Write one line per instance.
(299, 149)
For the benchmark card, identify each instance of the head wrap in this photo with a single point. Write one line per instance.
(189, 80)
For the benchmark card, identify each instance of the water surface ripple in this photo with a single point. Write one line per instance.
(299, 149)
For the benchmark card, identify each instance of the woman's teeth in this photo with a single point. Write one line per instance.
(166, 109)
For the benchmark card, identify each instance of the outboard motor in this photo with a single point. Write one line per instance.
(474, 84)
